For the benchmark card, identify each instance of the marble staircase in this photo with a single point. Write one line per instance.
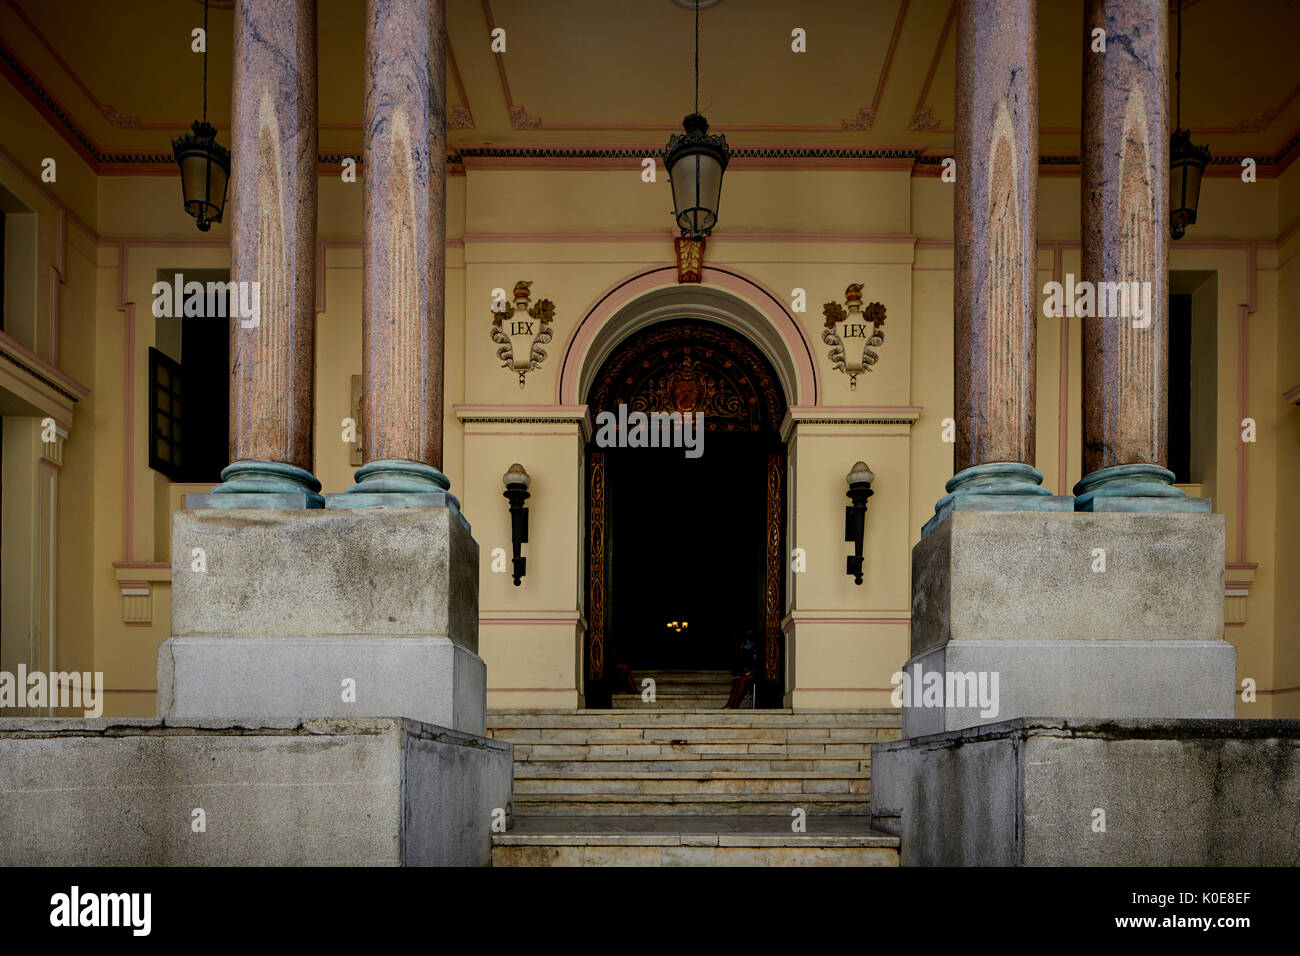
(672, 783)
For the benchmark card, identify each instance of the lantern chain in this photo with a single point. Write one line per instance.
(205, 62)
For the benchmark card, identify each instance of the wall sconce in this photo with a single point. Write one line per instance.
(855, 515)
(517, 481)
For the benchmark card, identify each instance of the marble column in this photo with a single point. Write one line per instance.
(273, 251)
(995, 250)
(1125, 244)
(403, 233)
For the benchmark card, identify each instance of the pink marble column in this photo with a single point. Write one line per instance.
(996, 231)
(403, 233)
(273, 245)
(1125, 239)
(995, 250)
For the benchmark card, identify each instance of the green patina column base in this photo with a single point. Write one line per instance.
(271, 485)
(1134, 488)
(397, 484)
(997, 486)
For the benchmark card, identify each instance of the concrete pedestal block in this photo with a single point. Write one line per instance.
(123, 792)
(1027, 793)
(429, 679)
(1103, 678)
(1068, 614)
(275, 612)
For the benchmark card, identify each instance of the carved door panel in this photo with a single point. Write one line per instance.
(597, 565)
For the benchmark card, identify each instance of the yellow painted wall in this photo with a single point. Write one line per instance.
(575, 234)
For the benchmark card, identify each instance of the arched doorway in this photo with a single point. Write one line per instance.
(684, 549)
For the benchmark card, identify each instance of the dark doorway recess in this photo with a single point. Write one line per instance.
(685, 555)
(1180, 387)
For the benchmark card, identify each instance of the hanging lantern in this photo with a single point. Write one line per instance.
(695, 162)
(1186, 166)
(205, 164)
(205, 171)
(1187, 161)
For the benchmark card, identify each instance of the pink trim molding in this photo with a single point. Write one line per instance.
(743, 287)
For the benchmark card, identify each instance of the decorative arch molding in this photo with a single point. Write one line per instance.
(688, 366)
(724, 296)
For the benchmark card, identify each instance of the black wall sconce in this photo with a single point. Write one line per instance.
(855, 515)
(517, 481)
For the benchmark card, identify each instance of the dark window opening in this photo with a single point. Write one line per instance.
(189, 401)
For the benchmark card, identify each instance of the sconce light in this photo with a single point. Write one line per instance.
(517, 481)
(855, 515)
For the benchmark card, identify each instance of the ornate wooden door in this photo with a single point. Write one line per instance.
(693, 366)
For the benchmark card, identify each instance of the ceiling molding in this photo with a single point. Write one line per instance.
(519, 117)
(923, 119)
(866, 115)
(460, 116)
(924, 161)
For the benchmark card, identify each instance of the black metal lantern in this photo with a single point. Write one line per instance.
(695, 161)
(204, 163)
(860, 478)
(517, 481)
(205, 171)
(1187, 161)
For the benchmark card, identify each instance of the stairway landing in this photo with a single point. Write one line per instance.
(692, 841)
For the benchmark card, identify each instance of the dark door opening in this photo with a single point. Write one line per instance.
(687, 553)
(684, 554)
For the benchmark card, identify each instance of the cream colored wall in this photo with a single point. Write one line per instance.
(1285, 699)
(575, 234)
(46, 565)
(846, 640)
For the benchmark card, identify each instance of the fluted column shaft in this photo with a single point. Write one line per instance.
(1125, 234)
(995, 253)
(273, 244)
(996, 231)
(403, 232)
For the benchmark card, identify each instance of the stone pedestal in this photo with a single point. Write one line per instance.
(123, 792)
(324, 613)
(1015, 605)
(1028, 793)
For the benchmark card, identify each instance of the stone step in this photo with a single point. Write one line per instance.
(668, 702)
(699, 804)
(691, 841)
(655, 735)
(690, 749)
(635, 784)
(563, 720)
(695, 689)
(685, 677)
(645, 741)
(756, 763)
